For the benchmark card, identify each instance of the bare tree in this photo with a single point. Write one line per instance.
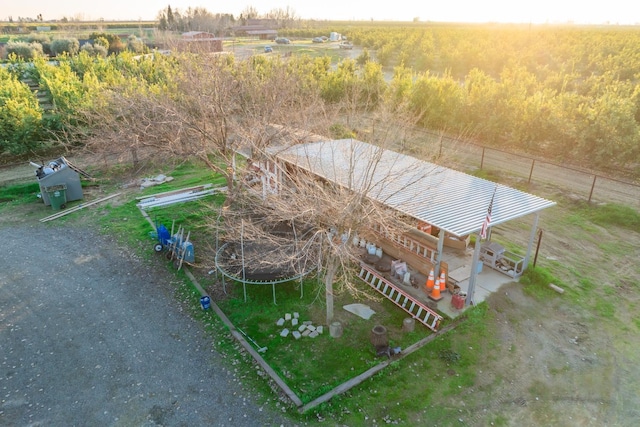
(214, 108)
(284, 17)
(211, 109)
(332, 193)
(249, 12)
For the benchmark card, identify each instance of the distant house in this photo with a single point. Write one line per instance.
(262, 34)
(200, 41)
(197, 35)
(264, 29)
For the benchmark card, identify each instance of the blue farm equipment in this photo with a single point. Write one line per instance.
(178, 247)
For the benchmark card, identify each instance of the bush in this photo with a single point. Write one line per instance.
(20, 115)
(94, 50)
(364, 57)
(70, 46)
(43, 39)
(23, 50)
(339, 131)
(135, 44)
(38, 38)
(101, 41)
(114, 45)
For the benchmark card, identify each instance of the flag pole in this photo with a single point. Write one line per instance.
(487, 219)
(482, 234)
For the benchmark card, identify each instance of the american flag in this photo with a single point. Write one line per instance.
(487, 219)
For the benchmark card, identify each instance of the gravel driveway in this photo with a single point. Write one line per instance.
(91, 337)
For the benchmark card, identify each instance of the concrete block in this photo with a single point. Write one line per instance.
(287, 316)
(335, 330)
(294, 322)
(280, 322)
(311, 328)
(307, 322)
(306, 332)
(284, 332)
(313, 334)
(302, 327)
(319, 329)
(296, 334)
(296, 315)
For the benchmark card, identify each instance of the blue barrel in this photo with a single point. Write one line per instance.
(205, 302)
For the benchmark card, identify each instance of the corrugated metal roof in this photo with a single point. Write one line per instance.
(450, 200)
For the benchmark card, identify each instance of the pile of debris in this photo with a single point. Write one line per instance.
(178, 196)
(304, 329)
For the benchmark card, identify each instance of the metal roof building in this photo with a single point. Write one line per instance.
(454, 202)
(448, 199)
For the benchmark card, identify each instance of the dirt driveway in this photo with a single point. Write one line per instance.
(92, 336)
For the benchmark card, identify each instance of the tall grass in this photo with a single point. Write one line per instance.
(611, 214)
(19, 191)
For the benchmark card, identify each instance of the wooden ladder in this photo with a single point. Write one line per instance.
(416, 309)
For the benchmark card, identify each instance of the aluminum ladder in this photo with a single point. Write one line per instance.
(416, 309)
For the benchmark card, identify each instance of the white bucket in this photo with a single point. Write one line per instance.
(407, 278)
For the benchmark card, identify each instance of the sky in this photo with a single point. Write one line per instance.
(539, 11)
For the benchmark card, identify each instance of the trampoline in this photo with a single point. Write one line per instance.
(275, 261)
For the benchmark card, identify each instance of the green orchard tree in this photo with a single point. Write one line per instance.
(20, 115)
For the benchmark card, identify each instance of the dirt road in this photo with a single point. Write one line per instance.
(90, 335)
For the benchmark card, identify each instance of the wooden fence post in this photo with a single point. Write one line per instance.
(593, 185)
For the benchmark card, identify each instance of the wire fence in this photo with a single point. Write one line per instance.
(466, 155)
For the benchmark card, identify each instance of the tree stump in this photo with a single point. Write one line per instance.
(379, 337)
(335, 329)
(408, 324)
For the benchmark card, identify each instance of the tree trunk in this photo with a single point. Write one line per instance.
(230, 189)
(332, 267)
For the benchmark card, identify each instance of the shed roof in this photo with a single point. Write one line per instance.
(445, 198)
(194, 34)
(258, 32)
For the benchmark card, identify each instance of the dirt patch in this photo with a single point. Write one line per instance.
(550, 366)
(13, 174)
(565, 359)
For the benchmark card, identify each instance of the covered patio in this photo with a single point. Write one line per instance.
(446, 206)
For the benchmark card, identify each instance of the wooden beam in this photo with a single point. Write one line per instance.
(247, 346)
(76, 208)
(374, 370)
(172, 192)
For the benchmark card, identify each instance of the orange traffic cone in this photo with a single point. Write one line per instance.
(443, 281)
(435, 295)
(430, 281)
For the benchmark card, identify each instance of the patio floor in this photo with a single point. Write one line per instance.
(459, 261)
